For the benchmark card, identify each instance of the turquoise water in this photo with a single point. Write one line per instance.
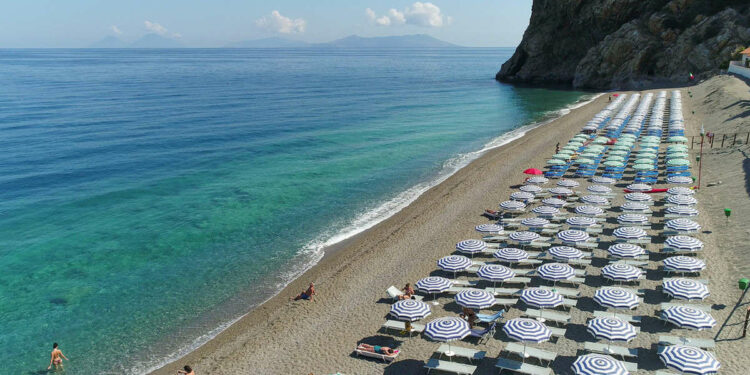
(149, 196)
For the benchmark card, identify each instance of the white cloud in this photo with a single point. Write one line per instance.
(419, 14)
(277, 23)
(159, 29)
(116, 30)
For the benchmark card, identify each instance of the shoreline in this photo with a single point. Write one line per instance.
(331, 251)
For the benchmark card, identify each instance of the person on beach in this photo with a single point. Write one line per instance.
(377, 349)
(57, 357)
(187, 370)
(408, 292)
(308, 294)
(557, 148)
(469, 315)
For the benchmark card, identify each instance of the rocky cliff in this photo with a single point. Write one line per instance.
(607, 44)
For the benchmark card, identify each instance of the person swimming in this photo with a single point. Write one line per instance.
(308, 294)
(57, 357)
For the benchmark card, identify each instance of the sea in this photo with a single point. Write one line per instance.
(150, 198)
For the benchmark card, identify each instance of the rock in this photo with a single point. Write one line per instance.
(606, 44)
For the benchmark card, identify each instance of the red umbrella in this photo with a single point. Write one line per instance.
(615, 94)
(532, 171)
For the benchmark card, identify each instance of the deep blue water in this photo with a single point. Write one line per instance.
(148, 196)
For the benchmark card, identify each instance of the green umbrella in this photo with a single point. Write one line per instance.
(627, 135)
(584, 161)
(677, 155)
(555, 162)
(590, 155)
(644, 161)
(643, 167)
(621, 147)
(601, 140)
(675, 162)
(677, 147)
(566, 152)
(647, 153)
(581, 136)
(571, 148)
(616, 158)
(650, 138)
(595, 147)
(574, 142)
(618, 152)
(649, 144)
(677, 139)
(613, 163)
(561, 156)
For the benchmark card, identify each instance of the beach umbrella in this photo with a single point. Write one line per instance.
(475, 299)
(616, 298)
(677, 147)
(603, 180)
(471, 246)
(643, 160)
(683, 225)
(584, 161)
(651, 138)
(684, 243)
(526, 330)
(589, 155)
(599, 189)
(566, 152)
(677, 155)
(512, 206)
(680, 191)
(533, 189)
(576, 143)
(567, 183)
(595, 147)
(454, 263)
(495, 273)
(447, 330)
(554, 202)
(409, 310)
(677, 139)
(534, 222)
(434, 285)
(626, 250)
(681, 211)
(678, 162)
(637, 197)
(632, 219)
(521, 196)
(685, 289)
(611, 329)
(589, 210)
(561, 156)
(580, 221)
(689, 360)
(565, 253)
(600, 140)
(613, 163)
(617, 152)
(533, 171)
(679, 180)
(546, 211)
(524, 236)
(572, 236)
(643, 167)
(489, 228)
(561, 191)
(688, 317)
(682, 263)
(622, 146)
(681, 200)
(639, 187)
(541, 299)
(511, 255)
(555, 271)
(629, 233)
(537, 180)
(595, 199)
(621, 272)
(555, 162)
(631, 206)
(598, 364)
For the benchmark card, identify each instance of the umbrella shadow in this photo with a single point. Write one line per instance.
(586, 304)
(650, 324)
(654, 297)
(406, 366)
(562, 364)
(577, 332)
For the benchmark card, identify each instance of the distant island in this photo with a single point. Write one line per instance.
(352, 41)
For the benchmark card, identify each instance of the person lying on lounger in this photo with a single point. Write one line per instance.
(408, 292)
(308, 294)
(376, 349)
(469, 315)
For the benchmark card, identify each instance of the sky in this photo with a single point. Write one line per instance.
(216, 23)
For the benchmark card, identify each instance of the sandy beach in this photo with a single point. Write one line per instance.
(301, 337)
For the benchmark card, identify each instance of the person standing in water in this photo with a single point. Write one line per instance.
(57, 357)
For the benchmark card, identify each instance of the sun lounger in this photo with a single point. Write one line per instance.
(383, 357)
(565, 292)
(557, 332)
(631, 262)
(548, 315)
(573, 280)
(625, 317)
(704, 308)
(569, 303)
(663, 372)
(620, 351)
(448, 366)
(504, 291)
(400, 326)
(460, 282)
(470, 354)
(703, 281)
(483, 334)
(531, 352)
(506, 301)
(674, 340)
(524, 368)
(491, 318)
(518, 280)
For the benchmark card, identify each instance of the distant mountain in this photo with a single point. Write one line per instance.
(400, 41)
(109, 42)
(156, 41)
(274, 42)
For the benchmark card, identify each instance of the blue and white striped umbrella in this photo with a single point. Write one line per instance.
(546, 211)
(683, 225)
(688, 317)
(684, 264)
(447, 329)
(565, 253)
(681, 200)
(495, 273)
(680, 191)
(603, 180)
(685, 211)
(555, 271)
(637, 197)
(489, 228)
(538, 180)
(454, 263)
(533, 189)
(599, 189)
(685, 289)
(541, 298)
(567, 183)
(611, 329)
(433, 284)
(679, 180)
(523, 236)
(580, 221)
(629, 233)
(572, 236)
(616, 298)
(689, 360)
(534, 222)
(554, 202)
(621, 272)
(521, 196)
(471, 246)
(632, 219)
(684, 243)
(512, 206)
(595, 200)
(626, 250)
(639, 187)
(511, 254)
(589, 210)
(475, 299)
(561, 191)
(410, 310)
(598, 364)
(631, 206)
(527, 330)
